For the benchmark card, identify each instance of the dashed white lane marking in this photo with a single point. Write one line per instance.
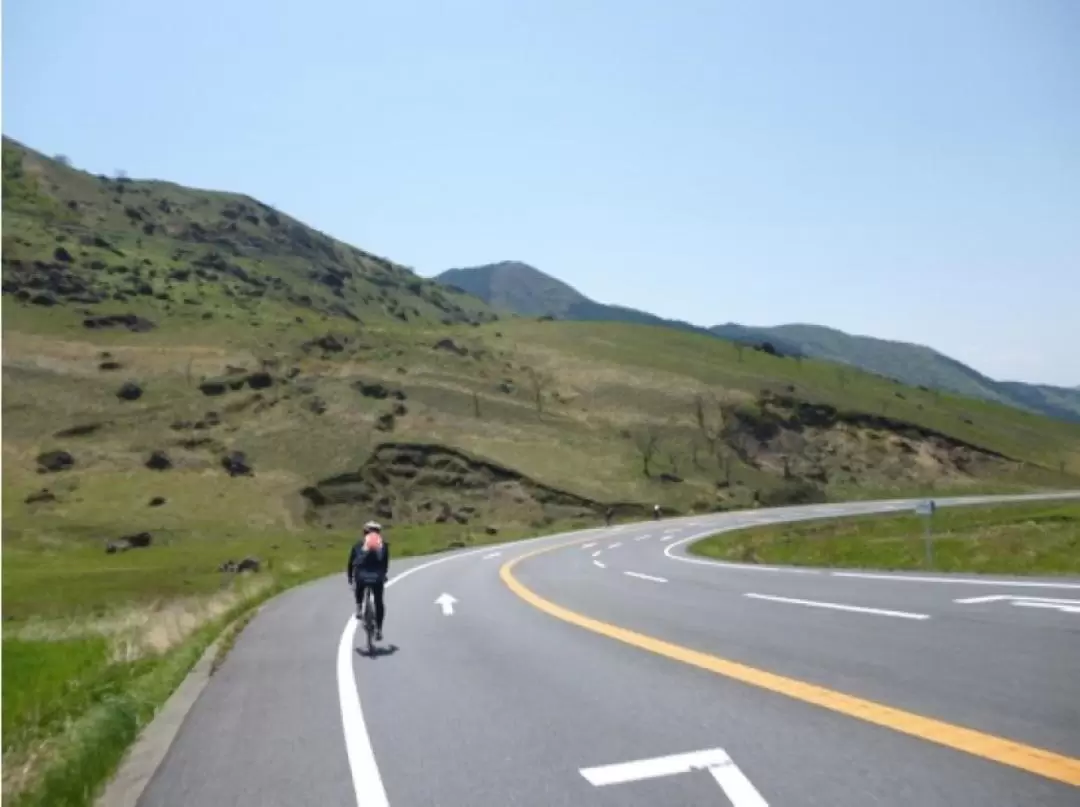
(589, 545)
(839, 607)
(491, 555)
(641, 576)
(615, 545)
(597, 553)
(643, 538)
(599, 564)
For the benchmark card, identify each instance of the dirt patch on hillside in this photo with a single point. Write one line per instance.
(803, 440)
(426, 483)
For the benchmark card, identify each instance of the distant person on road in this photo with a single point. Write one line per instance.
(608, 514)
(656, 512)
(369, 562)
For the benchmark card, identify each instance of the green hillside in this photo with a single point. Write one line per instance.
(518, 288)
(912, 364)
(194, 384)
(193, 256)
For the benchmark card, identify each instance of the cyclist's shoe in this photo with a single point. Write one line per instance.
(360, 612)
(378, 635)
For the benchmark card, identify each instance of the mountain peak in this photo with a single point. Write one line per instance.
(515, 286)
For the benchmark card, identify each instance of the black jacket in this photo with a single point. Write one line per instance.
(369, 566)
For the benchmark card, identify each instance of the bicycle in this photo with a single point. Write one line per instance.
(367, 613)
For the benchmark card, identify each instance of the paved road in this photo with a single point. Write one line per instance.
(722, 684)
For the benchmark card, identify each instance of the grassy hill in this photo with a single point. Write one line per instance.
(519, 288)
(193, 256)
(192, 378)
(910, 363)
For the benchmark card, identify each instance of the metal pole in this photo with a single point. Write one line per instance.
(929, 543)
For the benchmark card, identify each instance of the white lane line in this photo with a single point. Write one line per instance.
(491, 555)
(615, 545)
(589, 545)
(909, 578)
(839, 607)
(599, 564)
(643, 538)
(646, 577)
(597, 553)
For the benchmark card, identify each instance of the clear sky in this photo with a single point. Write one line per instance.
(908, 170)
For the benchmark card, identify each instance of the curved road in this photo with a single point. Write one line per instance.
(608, 668)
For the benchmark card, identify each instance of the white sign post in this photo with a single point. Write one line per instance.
(926, 510)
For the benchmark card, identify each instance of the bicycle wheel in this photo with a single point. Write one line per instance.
(369, 620)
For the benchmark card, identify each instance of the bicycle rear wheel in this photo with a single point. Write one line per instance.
(369, 620)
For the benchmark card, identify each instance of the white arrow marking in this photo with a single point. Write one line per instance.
(1068, 606)
(447, 603)
(738, 789)
(909, 578)
(1068, 609)
(839, 607)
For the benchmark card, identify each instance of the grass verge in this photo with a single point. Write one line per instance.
(1024, 539)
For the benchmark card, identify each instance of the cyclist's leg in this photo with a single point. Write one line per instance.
(380, 605)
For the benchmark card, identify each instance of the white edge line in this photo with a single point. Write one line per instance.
(599, 564)
(646, 577)
(367, 783)
(839, 607)
(896, 577)
(723, 564)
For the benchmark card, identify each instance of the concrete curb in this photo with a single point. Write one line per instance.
(148, 751)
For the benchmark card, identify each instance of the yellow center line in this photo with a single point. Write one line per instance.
(987, 746)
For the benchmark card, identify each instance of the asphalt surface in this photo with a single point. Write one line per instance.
(503, 703)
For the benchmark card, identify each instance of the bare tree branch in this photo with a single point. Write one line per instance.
(647, 442)
(540, 382)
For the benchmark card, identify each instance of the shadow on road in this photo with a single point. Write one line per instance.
(378, 652)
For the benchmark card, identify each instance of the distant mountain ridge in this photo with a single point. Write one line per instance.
(519, 288)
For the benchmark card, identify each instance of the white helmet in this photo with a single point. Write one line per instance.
(372, 526)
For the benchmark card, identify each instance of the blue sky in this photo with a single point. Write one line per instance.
(908, 170)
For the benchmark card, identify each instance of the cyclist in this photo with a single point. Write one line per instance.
(369, 562)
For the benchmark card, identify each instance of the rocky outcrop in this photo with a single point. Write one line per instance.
(425, 483)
